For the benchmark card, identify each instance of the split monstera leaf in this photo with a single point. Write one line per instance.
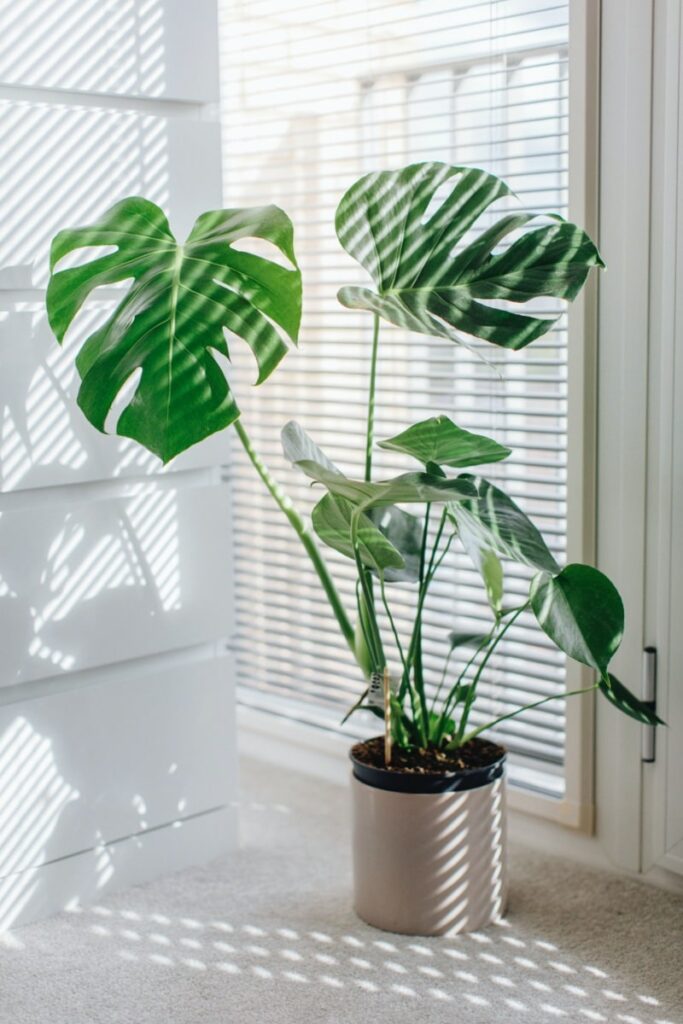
(404, 227)
(169, 324)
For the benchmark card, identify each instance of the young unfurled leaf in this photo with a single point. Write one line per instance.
(170, 320)
(493, 522)
(623, 699)
(440, 442)
(391, 223)
(581, 611)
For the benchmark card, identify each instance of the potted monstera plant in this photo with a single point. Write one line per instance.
(429, 853)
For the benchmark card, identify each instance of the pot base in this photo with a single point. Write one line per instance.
(429, 863)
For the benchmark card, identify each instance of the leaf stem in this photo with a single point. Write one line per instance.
(518, 711)
(376, 648)
(390, 617)
(418, 671)
(370, 431)
(478, 674)
(284, 502)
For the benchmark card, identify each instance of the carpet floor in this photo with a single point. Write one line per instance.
(268, 936)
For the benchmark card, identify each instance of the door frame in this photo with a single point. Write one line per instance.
(662, 590)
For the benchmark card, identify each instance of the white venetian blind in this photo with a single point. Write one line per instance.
(316, 93)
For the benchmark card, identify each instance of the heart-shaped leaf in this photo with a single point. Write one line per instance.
(581, 611)
(331, 519)
(169, 323)
(623, 699)
(438, 441)
(387, 221)
(493, 522)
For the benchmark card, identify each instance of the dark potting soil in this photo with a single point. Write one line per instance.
(477, 753)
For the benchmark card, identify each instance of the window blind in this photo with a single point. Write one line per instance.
(314, 95)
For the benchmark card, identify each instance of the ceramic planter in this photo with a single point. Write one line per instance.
(429, 853)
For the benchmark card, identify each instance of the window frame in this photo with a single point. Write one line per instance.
(575, 807)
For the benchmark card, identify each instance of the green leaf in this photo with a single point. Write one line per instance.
(169, 323)
(331, 519)
(581, 611)
(406, 237)
(624, 700)
(466, 639)
(404, 532)
(439, 441)
(298, 447)
(493, 522)
(491, 571)
(407, 488)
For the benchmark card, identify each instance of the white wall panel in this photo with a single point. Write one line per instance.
(85, 584)
(147, 48)
(116, 717)
(64, 165)
(92, 766)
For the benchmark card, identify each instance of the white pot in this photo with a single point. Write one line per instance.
(430, 863)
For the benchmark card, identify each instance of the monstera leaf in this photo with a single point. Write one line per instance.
(488, 564)
(581, 611)
(170, 322)
(493, 522)
(465, 638)
(387, 222)
(404, 532)
(438, 441)
(331, 520)
(625, 701)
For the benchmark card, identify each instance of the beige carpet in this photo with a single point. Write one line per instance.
(268, 937)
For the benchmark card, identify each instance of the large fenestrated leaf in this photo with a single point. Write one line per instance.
(408, 488)
(493, 522)
(331, 520)
(441, 442)
(581, 611)
(170, 321)
(387, 222)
